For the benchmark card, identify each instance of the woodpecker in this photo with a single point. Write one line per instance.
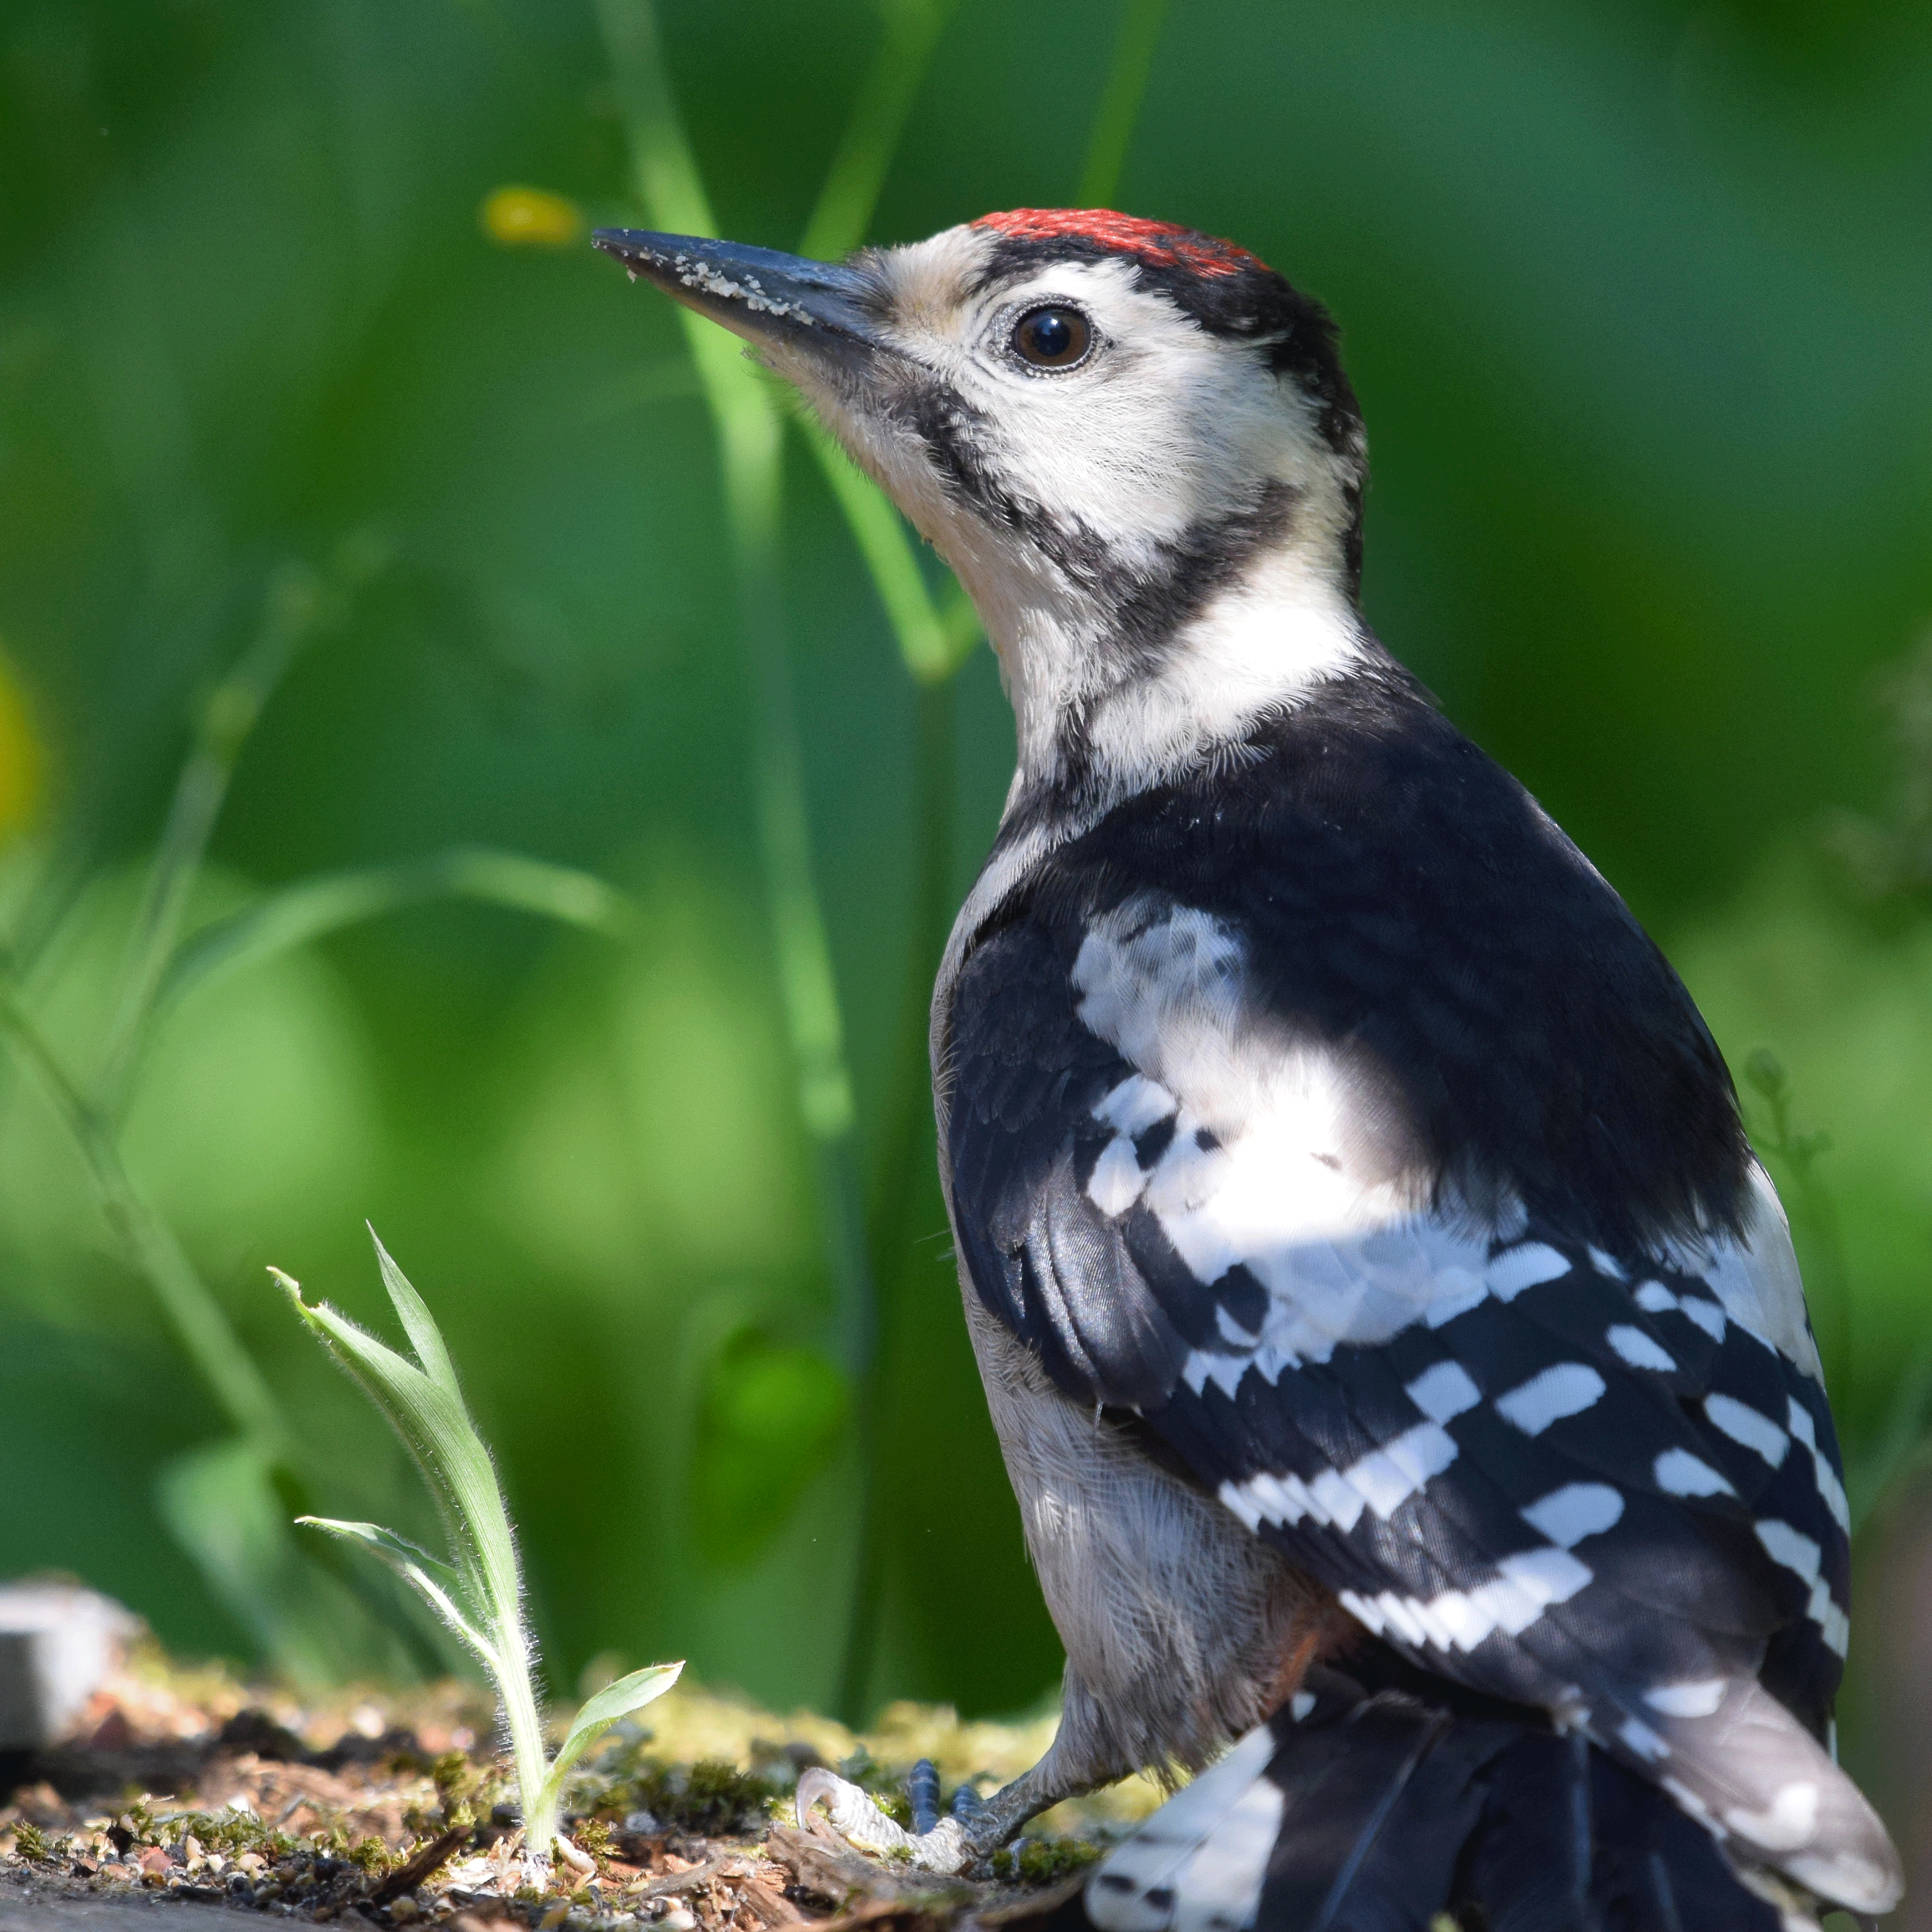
(1397, 1352)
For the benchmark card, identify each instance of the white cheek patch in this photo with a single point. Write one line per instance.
(1163, 425)
(1088, 482)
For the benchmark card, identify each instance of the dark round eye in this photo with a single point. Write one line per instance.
(1052, 338)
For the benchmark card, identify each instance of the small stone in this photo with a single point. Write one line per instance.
(404, 1909)
(641, 1824)
(678, 1919)
(57, 1641)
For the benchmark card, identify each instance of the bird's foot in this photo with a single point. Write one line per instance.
(945, 1845)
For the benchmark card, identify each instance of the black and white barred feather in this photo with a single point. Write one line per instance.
(1327, 1115)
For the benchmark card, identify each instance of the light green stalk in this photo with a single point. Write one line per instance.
(309, 909)
(478, 1591)
(1120, 102)
(206, 1336)
(298, 603)
(844, 210)
(750, 434)
(934, 647)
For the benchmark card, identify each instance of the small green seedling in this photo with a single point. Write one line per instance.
(479, 1592)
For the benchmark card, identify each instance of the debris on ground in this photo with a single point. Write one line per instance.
(391, 1808)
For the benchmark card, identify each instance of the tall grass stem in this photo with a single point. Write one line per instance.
(1119, 109)
(202, 1326)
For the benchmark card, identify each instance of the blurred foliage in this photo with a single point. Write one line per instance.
(388, 554)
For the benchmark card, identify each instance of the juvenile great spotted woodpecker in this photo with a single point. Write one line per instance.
(1398, 1355)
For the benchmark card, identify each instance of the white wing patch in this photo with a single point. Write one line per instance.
(1268, 1166)
(1274, 1163)
(1756, 1281)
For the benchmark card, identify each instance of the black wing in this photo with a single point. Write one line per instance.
(1583, 1482)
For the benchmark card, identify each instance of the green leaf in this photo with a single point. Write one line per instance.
(434, 1581)
(427, 1411)
(309, 909)
(930, 649)
(436, 1430)
(614, 1701)
(417, 1323)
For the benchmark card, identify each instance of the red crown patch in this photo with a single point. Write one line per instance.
(1161, 244)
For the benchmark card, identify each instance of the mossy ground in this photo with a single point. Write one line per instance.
(390, 1809)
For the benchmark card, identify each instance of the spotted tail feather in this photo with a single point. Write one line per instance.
(1385, 1809)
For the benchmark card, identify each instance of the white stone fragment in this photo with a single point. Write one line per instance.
(58, 1641)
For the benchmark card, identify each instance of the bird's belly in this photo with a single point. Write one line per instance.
(1182, 1628)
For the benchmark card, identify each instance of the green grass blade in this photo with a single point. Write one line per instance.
(614, 1702)
(152, 1250)
(435, 1582)
(418, 1324)
(296, 915)
(932, 644)
(291, 608)
(1121, 104)
(844, 211)
(437, 1432)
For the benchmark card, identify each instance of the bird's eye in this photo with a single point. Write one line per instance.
(1052, 338)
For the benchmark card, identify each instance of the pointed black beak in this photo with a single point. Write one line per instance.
(761, 294)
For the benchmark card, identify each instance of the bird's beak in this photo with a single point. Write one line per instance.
(762, 294)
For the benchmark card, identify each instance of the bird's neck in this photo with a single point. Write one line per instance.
(1131, 679)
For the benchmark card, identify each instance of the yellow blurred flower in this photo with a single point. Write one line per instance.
(20, 758)
(530, 217)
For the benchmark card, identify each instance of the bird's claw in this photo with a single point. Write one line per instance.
(942, 1846)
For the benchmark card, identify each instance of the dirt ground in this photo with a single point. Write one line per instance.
(189, 1788)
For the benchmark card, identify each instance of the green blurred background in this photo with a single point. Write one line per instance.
(1636, 295)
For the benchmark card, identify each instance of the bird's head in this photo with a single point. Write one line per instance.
(1135, 444)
